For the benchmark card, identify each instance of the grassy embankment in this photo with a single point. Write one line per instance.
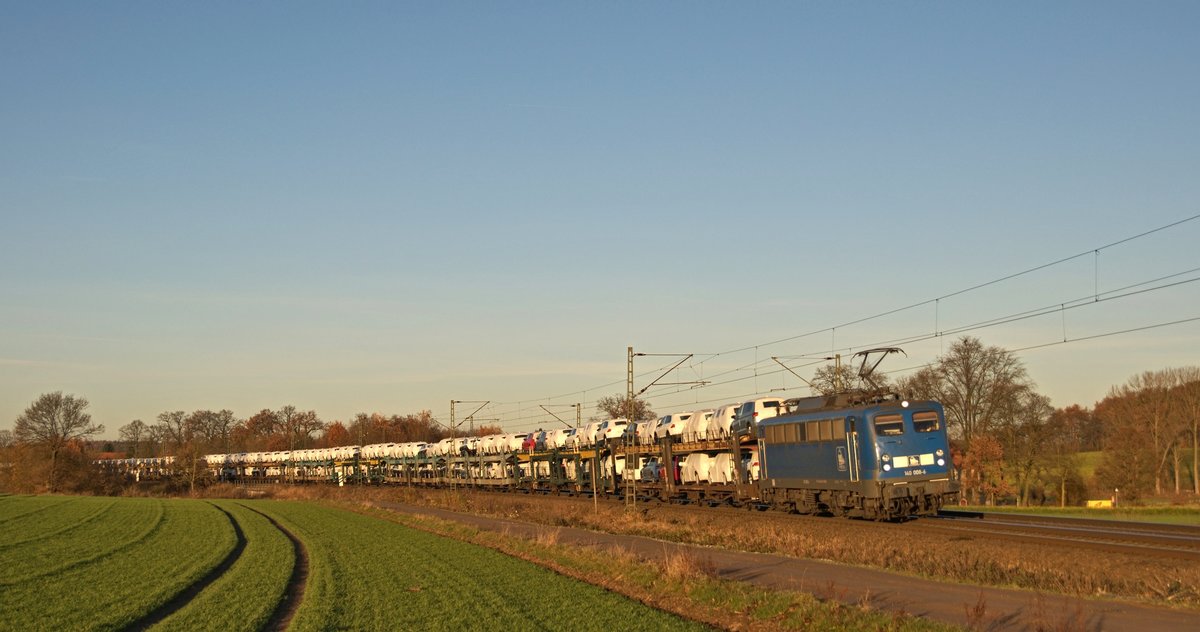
(676, 583)
(904, 548)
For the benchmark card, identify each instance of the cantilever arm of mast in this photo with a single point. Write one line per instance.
(789, 370)
(664, 374)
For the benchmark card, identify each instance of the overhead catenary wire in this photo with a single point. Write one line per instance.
(1015, 318)
(1017, 350)
(516, 415)
(978, 286)
(666, 391)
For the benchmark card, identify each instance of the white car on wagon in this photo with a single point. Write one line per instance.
(671, 426)
(722, 420)
(755, 411)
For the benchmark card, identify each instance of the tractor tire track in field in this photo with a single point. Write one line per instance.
(102, 554)
(293, 595)
(63, 529)
(182, 599)
(36, 510)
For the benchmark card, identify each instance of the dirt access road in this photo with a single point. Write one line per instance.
(958, 604)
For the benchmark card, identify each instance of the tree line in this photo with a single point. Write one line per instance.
(287, 428)
(49, 447)
(1008, 442)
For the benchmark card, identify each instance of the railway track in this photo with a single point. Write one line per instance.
(1138, 538)
(1166, 541)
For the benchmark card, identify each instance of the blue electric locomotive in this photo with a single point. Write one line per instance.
(882, 458)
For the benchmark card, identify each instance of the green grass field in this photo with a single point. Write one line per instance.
(106, 564)
(121, 566)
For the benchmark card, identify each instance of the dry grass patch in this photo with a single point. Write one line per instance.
(684, 566)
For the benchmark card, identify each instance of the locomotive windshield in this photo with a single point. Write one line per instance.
(889, 425)
(926, 421)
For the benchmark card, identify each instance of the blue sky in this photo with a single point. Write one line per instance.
(384, 206)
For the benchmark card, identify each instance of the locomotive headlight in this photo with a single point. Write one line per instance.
(904, 404)
(940, 452)
(887, 467)
(941, 462)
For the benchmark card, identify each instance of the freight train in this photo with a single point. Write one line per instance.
(853, 454)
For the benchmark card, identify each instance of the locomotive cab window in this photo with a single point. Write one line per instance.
(926, 421)
(889, 425)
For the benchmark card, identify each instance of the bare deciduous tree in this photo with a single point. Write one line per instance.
(976, 384)
(52, 422)
(223, 424)
(1189, 406)
(172, 427)
(1071, 430)
(1024, 434)
(620, 407)
(1155, 413)
(298, 426)
(134, 433)
(830, 379)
